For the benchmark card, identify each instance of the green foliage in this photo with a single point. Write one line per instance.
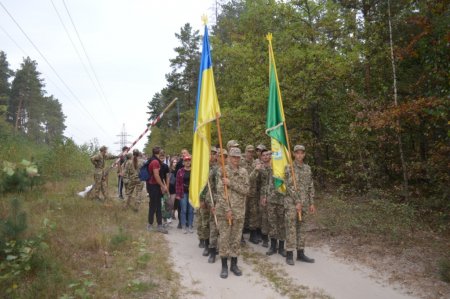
(17, 177)
(17, 252)
(119, 240)
(30, 112)
(335, 74)
(65, 159)
(80, 288)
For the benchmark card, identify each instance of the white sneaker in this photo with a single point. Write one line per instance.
(169, 220)
(149, 227)
(191, 230)
(185, 230)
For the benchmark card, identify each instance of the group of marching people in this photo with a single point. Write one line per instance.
(243, 193)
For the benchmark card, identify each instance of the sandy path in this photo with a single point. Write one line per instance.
(328, 275)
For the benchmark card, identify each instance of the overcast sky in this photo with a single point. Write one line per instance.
(129, 44)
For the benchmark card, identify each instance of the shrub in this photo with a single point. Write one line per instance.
(17, 253)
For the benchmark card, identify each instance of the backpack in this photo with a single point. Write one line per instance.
(144, 174)
(173, 179)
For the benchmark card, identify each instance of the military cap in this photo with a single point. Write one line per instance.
(260, 147)
(299, 147)
(224, 152)
(235, 152)
(103, 148)
(232, 143)
(249, 148)
(214, 149)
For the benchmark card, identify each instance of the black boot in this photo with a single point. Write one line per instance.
(290, 258)
(281, 249)
(273, 247)
(302, 257)
(253, 239)
(224, 271)
(258, 235)
(212, 256)
(234, 268)
(201, 244)
(206, 251)
(265, 240)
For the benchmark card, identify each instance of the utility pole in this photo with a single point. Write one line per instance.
(123, 138)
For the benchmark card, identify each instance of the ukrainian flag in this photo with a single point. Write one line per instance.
(207, 109)
(275, 124)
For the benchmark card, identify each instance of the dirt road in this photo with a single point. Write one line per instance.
(271, 277)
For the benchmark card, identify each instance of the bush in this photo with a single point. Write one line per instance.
(17, 177)
(17, 253)
(65, 160)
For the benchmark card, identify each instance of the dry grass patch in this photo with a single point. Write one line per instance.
(95, 251)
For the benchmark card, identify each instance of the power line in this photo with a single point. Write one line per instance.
(27, 55)
(88, 59)
(52, 68)
(76, 50)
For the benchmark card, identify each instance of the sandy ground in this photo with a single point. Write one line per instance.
(328, 275)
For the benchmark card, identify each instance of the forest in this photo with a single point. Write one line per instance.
(364, 85)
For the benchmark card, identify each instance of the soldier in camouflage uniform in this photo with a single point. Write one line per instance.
(258, 212)
(235, 144)
(213, 229)
(100, 177)
(231, 209)
(204, 210)
(298, 199)
(258, 151)
(275, 213)
(248, 162)
(132, 181)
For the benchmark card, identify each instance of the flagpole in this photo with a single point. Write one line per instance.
(222, 162)
(272, 58)
(212, 202)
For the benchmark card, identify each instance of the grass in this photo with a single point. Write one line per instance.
(394, 222)
(94, 251)
(387, 227)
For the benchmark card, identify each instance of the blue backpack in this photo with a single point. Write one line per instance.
(144, 174)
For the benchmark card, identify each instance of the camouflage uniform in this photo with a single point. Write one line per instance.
(133, 184)
(100, 177)
(230, 235)
(249, 166)
(304, 196)
(264, 178)
(254, 198)
(213, 229)
(275, 209)
(203, 216)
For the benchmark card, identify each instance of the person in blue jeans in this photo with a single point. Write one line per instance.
(182, 194)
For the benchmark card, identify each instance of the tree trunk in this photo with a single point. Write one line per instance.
(399, 136)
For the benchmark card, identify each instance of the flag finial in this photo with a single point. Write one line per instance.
(269, 36)
(204, 19)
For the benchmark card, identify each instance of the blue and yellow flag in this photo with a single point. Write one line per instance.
(207, 109)
(275, 124)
